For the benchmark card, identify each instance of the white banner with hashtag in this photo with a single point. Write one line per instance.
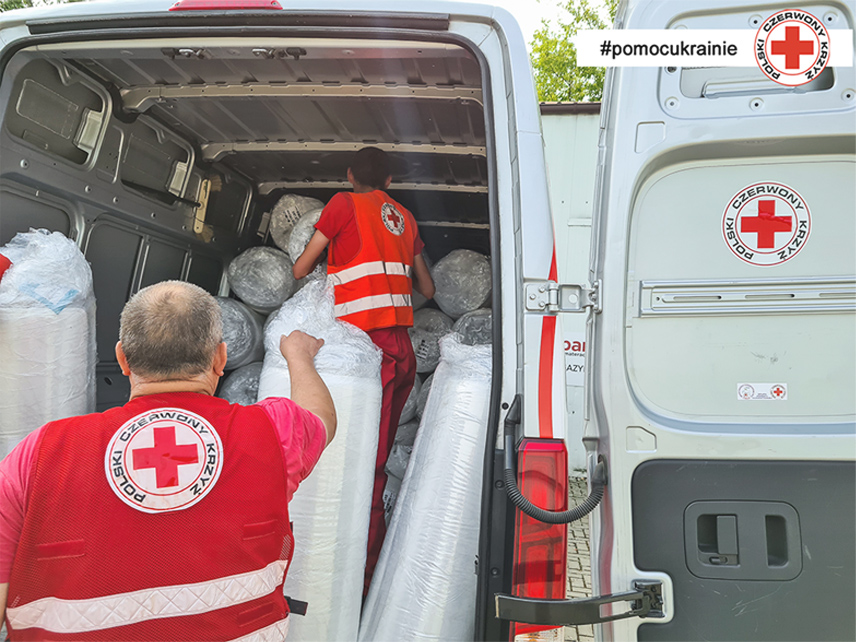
(791, 50)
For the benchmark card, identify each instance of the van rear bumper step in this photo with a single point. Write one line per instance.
(646, 600)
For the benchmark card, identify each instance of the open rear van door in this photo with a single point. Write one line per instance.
(723, 359)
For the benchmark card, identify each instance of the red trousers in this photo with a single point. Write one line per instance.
(397, 373)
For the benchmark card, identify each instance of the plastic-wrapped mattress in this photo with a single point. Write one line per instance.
(242, 386)
(242, 332)
(331, 508)
(286, 213)
(47, 335)
(428, 326)
(463, 282)
(424, 587)
(262, 278)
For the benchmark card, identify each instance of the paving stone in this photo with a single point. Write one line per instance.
(579, 562)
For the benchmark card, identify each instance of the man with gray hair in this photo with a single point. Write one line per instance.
(165, 518)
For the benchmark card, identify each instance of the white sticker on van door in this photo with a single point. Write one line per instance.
(575, 359)
(762, 391)
(766, 224)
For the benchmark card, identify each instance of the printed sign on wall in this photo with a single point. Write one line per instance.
(575, 358)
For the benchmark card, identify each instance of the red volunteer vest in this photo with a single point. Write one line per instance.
(373, 289)
(164, 519)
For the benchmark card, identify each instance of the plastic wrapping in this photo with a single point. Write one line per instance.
(424, 587)
(428, 326)
(406, 434)
(390, 495)
(262, 278)
(422, 399)
(47, 335)
(463, 282)
(396, 463)
(242, 386)
(285, 214)
(475, 328)
(409, 410)
(242, 332)
(331, 508)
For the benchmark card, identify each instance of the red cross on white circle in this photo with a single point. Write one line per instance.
(766, 224)
(165, 456)
(778, 391)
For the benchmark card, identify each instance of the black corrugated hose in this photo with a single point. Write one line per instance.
(598, 481)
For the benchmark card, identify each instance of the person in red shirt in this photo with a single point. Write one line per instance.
(374, 262)
(165, 518)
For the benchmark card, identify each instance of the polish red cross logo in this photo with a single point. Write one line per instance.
(792, 47)
(164, 460)
(766, 223)
(392, 219)
(165, 457)
(778, 391)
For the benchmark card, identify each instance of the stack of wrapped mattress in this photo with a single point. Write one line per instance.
(47, 335)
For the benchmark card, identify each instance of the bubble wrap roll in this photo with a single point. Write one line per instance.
(424, 587)
(409, 410)
(262, 278)
(47, 335)
(242, 332)
(406, 433)
(422, 399)
(463, 282)
(331, 508)
(302, 232)
(475, 327)
(428, 326)
(242, 386)
(285, 214)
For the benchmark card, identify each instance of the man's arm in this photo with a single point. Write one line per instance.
(4, 592)
(308, 390)
(422, 281)
(307, 261)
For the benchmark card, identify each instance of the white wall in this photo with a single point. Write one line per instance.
(570, 147)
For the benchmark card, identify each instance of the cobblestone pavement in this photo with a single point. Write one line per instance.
(579, 562)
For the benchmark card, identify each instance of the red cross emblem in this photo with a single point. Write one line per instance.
(766, 224)
(792, 47)
(165, 457)
(778, 392)
(392, 219)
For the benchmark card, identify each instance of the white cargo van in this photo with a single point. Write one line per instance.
(158, 134)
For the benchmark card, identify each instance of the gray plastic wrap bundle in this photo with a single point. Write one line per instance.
(475, 328)
(285, 214)
(463, 282)
(424, 587)
(422, 399)
(409, 410)
(331, 508)
(428, 326)
(396, 465)
(242, 332)
(262, 278)
(242, 386)
(299, 238)
(47, 335)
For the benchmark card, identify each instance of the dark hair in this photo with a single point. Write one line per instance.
(370, 167)
(170, 329)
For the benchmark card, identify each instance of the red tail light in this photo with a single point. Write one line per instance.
(541, 550)
(225, 5)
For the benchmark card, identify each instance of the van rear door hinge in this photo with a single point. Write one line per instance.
(549, 296)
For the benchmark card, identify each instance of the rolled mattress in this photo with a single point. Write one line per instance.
(424, 587)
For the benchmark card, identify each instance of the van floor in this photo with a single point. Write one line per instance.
(579, 561)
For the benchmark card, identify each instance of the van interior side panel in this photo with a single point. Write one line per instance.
(165, 165)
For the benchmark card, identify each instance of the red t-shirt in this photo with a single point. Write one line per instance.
(301, 434)
(338, 224)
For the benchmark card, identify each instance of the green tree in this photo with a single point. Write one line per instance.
(554, 58)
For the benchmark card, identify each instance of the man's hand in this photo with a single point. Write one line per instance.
(308, 390)
(299, 345)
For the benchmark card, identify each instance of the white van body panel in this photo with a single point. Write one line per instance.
(664, 386)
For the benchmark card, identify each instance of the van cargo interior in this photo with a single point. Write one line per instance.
(165, 158)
